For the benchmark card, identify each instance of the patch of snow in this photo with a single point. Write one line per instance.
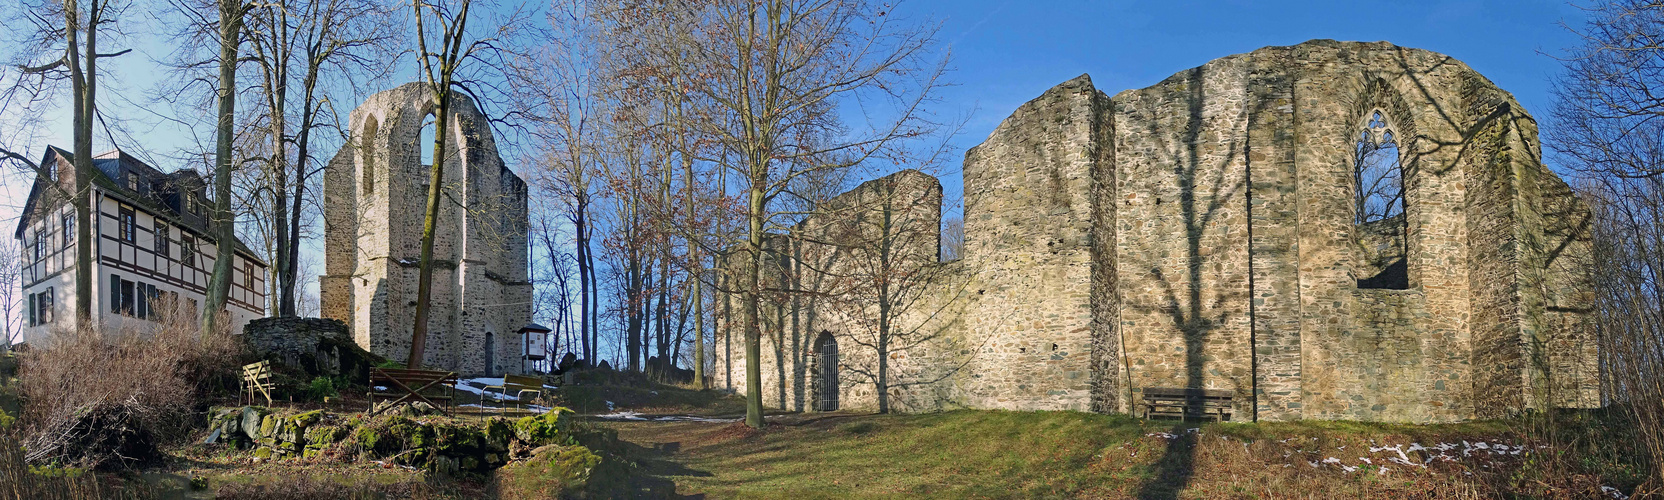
(1382, 472)
(1619, 495)
(381, 387)
(1332, 460)
(609, 406)
(637, 417)
(1366, 460)
(1348, 468)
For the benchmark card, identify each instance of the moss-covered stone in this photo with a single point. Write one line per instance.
(263, 453)
(306, 419)
(553, 470)
(325, 435)
(548, 428)
(269, 425)
(498, 433)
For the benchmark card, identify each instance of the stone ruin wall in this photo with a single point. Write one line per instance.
(375, 192)
(837, 297)
(1198, 233)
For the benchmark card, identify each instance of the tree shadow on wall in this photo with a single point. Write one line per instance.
(1188, 306)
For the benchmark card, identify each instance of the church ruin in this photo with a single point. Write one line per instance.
(1331, 230)
(375, 198)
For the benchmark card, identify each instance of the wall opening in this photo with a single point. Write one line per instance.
(367, 155)
(826, 368)
(490, 353)
(1380, 230)
(425, 141)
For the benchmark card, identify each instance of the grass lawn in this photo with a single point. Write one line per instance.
(1001, 454)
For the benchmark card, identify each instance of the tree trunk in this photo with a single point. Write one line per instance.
(753, 332)
(436, 185)
(84, 87)
(223, 225)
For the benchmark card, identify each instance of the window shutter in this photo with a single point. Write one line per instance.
(32, 319)
(143, 303)
(115, 294)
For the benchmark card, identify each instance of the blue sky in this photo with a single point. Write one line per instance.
(1007, 52)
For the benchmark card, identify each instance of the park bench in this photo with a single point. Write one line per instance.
(257, 381)
(410, 386)
(521, 385)
(1187, 403)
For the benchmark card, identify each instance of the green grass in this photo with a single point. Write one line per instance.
(1002, 454)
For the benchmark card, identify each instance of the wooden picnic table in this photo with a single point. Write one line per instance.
(404, 386)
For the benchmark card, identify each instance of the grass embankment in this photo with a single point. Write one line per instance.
(998, 454)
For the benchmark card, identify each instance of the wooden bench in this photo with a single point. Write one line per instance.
(521, 385)
(257, 381)
(1187, 403)
(409, 386)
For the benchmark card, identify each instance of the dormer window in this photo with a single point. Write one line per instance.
(132, 181)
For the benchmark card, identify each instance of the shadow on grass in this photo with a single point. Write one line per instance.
(631, 470)
(1172, 472)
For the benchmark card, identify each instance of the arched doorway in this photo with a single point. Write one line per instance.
(826, 376)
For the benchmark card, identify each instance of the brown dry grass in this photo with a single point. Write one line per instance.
(161, 371)
(997, 454)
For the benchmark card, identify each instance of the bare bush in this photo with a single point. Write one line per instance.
(1607, 126)
(138, 378)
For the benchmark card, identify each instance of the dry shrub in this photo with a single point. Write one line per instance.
(142, 378)
(19, 481)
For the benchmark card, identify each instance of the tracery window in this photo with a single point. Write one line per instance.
(1380, 228)
(1378, 176)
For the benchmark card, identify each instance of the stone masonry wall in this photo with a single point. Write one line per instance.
(375, 195)
(1199, 233)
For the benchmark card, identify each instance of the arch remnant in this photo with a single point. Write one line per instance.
(375, 195)
(1203, 232)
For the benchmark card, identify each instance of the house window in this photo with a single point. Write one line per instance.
(161, 238)
(187, 249)
(40, 307)
(40, 243)
(69, 228)
(1380, 227)
(146, 294)
(43, 301)
(132, 181)
(124, 221)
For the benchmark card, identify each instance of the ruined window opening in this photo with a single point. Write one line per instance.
(427, 141)
(366, 150)
(1378, 207)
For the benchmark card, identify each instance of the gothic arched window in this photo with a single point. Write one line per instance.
(1378, 207)
(1377, 175)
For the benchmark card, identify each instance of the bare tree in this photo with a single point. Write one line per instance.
(63, 46)
(11, 295)
(779, 71)
(222, 224)
(453, 59)
(953, 239)
(1608, 126)
(299, 47)
(560, 86)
